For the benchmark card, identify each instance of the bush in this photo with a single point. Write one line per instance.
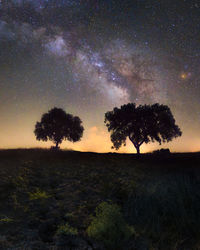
(162, 151)
(109, 226)
(66, 229)
(38, 195)
(6, 220)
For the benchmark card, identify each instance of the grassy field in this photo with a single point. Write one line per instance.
(42, 190)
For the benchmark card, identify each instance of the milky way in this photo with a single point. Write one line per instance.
(89, 56)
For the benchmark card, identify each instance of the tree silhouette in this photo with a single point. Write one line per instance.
(57, 125)
(142, 124)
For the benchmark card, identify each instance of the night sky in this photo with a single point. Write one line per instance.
(88, 56)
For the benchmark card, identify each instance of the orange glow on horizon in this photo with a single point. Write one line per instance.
(97, 139)
(17, 132)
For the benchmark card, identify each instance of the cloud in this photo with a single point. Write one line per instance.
(5, 31)
(22, 33)
(58, 46)
(96, 139)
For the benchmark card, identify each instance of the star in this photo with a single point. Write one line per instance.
(183, 76)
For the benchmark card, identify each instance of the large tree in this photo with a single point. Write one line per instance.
(57, 125)
(142, 124)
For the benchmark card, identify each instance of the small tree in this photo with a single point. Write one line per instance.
(141, 124)
(57, 125)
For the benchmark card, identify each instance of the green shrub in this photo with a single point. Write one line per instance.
(6, 220)
(38, 195)
(109, 226)
(66, 229)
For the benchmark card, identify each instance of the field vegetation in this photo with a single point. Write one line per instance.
(73, 200)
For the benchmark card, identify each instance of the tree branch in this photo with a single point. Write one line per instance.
(141, 143)
(135, 144)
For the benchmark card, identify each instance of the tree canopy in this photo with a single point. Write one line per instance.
(142, 124)
(57, 125)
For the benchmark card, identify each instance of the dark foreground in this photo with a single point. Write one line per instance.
(42, 191)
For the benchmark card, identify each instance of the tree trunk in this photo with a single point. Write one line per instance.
(57, 145)
(136, 145)
(138, 150)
